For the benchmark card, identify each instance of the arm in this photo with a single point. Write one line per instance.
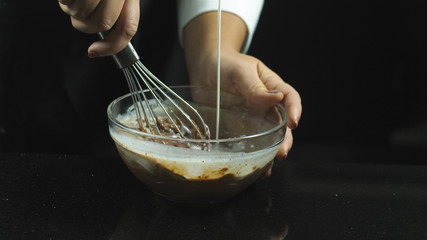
(248, 10)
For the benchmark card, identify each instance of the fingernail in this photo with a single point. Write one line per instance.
(93, 50)
(284, 156)
(274, 91)
(93, 54)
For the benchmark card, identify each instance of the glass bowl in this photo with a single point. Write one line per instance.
(248, 141)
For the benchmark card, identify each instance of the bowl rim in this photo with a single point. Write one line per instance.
(221, 140)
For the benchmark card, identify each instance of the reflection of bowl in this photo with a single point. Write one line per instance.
(248, 141)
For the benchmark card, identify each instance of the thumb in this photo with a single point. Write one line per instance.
(254, 90)
(262, 97)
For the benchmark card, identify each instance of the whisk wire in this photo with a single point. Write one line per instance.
(135, 72)
(153, 87)
(150, 111)
(152, 76)
(147, 102)
(135, 97)
(137, 91)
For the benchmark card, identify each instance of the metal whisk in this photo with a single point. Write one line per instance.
(135, 73)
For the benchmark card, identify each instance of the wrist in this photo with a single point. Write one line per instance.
(200, 38)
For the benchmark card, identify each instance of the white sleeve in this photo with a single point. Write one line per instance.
(248, 10)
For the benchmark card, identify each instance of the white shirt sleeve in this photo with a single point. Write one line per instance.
(248, 10)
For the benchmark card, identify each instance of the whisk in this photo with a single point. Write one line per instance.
(135, 72)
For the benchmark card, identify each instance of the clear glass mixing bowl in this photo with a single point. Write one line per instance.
(248, 141)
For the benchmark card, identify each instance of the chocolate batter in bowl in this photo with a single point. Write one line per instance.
(200, 170)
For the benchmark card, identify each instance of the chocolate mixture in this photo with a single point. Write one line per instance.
(164, 181)
(165, 127)
(194, 180)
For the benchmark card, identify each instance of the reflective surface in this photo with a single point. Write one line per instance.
(317, 193)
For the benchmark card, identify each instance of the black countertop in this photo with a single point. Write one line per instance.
(319, 192)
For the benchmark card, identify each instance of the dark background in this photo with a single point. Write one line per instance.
(360, 67)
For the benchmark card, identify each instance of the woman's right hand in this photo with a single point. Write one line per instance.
(120, 17)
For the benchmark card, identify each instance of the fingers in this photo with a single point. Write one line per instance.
(282, 153)
(264, 88)
(260, 95)
(120, 17)
(92, 16)
(292, 103)
(267, 173)
(124, 30)
(247, 83)
(286, 145)
(79, 9)
(291, 98)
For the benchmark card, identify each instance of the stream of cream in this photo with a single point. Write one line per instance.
(218, 70)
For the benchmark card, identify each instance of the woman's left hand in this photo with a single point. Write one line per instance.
(246, 76)
(241, 74)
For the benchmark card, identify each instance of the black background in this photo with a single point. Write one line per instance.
(360, 67)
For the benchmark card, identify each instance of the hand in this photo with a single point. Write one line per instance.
(246, 76)
(120, 17)
(241, 74)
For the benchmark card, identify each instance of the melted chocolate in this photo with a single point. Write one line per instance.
(164, 181)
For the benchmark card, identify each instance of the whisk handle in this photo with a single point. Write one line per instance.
(126, 57)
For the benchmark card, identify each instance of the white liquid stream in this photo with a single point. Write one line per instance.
(218, 70)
